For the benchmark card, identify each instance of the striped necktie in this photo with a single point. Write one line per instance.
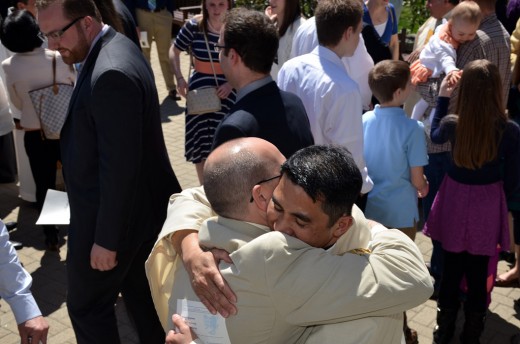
(152, 4)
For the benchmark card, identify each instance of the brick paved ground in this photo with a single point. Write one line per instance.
(48, 268)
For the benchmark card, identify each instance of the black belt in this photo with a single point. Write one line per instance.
(156, 10)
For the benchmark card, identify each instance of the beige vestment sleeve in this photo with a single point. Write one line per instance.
(186, 210)
(308, 286)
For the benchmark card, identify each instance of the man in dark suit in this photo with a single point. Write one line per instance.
(248, 45)
(116, 169)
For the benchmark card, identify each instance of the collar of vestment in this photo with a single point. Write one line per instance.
(228, 234)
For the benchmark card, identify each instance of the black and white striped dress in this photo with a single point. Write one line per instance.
(201, 128)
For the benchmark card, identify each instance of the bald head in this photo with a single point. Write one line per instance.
(233, 169)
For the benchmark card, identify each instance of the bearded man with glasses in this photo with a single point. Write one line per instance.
(116, 169)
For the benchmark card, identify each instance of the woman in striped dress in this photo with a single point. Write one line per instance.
(201, 128)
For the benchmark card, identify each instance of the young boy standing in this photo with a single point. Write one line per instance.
(395, 150)
(395, 153)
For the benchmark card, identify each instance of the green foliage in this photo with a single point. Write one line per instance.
(414, 14)
(307, 6)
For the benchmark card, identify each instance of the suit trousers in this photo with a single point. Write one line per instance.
(92, 294)
(158, 25)
(43, 156)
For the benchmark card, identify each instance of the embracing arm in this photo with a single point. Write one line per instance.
(391, 279)
(206, 280)
(186, 212)
(308, 286)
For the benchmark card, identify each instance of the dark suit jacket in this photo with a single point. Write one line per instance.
(116, 167)
(270, 114)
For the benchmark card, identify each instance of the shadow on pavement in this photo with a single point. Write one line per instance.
(50, 283)
(169, 107)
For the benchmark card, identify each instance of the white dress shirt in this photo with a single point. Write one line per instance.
(358, 65)
(331, 99)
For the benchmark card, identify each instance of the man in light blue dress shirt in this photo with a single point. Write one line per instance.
(15, 284)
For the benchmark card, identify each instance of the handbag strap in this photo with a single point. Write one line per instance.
(55, 88)
(210, 58)
(191, 61)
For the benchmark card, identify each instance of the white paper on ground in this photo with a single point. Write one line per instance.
(56, 210)
(211, 329)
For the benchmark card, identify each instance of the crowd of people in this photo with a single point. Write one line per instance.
(311, 169)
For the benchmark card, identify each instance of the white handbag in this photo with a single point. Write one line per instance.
(203, 100)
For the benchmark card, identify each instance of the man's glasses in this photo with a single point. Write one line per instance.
(58, 33)
(219, 48)
(264, 181)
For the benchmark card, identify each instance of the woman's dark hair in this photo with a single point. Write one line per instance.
(481, 115)
(109, 14)
(291, 12)
(19, 32)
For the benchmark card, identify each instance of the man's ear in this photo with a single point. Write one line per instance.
(233, 57)
(397, 93)
(348, 33)
(259, 199)
(342, 225)
(87, 23)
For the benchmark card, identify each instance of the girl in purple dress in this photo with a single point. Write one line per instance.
(469, 213)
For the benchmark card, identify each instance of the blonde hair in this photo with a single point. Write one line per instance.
(467, 11)
(481, 115)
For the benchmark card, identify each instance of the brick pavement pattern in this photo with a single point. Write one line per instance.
(48, 268)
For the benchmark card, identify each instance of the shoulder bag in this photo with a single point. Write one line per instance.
(203, 100)
(51, 104)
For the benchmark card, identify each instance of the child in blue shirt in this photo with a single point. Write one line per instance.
(395, 150)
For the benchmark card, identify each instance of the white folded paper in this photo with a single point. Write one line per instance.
(56, 210)
(208, 327)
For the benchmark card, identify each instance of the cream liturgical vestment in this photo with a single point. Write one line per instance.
(283, 285)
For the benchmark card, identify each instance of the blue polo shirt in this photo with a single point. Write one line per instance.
(393, 143)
